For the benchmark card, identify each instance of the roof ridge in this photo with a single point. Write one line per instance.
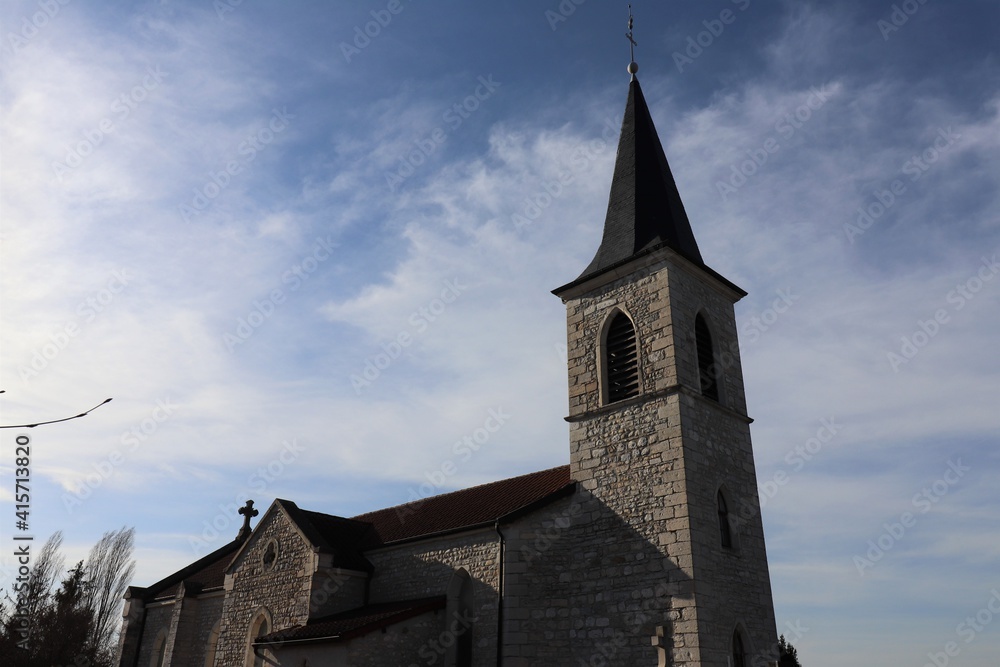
(340, 517)
(347, 538)
(462, 490)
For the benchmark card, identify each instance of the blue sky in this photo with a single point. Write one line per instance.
(307, 261)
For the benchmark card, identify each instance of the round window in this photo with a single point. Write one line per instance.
(270, 555)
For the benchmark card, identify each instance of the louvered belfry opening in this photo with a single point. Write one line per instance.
(706, 359)
(621, 359)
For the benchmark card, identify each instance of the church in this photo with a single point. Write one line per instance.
(646, 549)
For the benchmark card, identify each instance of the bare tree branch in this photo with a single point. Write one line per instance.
(109, 570)
(45, 574)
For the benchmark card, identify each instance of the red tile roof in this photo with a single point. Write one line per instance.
(356, 622)
(348, 538)
(475, 506)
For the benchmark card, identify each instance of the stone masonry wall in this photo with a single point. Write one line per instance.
(734, 584)
(629, 460)
(592, 577)
(209, 613)
(183, 648)
(283, 590)
(410, 643)
(188, 623)
(426, 568)
(130, 636)
(157, 618)
(645, 299)
(334, 590)
(392, 646)
(650, 468)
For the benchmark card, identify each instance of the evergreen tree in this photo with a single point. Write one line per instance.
(787, 655)
(66, 624)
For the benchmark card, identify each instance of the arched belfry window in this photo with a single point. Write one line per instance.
(739, 653)
(707, 369)
(621, 362)
(725, 529)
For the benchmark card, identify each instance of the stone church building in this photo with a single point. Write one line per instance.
(646, 549)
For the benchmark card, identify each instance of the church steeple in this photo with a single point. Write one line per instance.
(645, 212)
(659, 431)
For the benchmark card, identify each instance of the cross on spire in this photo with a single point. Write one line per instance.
(248, 513)
(633, 66)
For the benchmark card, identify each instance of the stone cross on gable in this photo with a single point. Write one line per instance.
(248, 513)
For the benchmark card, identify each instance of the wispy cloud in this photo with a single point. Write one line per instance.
(435, 292)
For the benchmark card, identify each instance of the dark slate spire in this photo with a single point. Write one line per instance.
(644, 210)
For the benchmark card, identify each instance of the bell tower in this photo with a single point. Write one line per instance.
(659, 431)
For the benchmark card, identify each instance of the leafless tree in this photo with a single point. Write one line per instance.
(24, 606)
(45, 574)
(79, 618)
(109, 569)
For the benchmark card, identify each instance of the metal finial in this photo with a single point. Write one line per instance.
(633, 66)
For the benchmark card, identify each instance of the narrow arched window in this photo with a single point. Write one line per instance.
(739, 653)
(460, 619)
(159, 649)
(213, 644)
(260, 627)
(707, 370)
(621, 359)
(725, 531)
(264, 628)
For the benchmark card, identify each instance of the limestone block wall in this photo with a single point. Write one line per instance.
(733, 584)
(629, 460)
(645, 299)
(425, 568)
(649, 468)
(416, 641)
(593, 577)
(334, 590)
(182, 645)
(549, 610)
(734, 587)
(689, 294)
(130, 636)
(209, 613)
(403, 644)
(283, 590)
(158, 616)
(187, 622)
(662, 298)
